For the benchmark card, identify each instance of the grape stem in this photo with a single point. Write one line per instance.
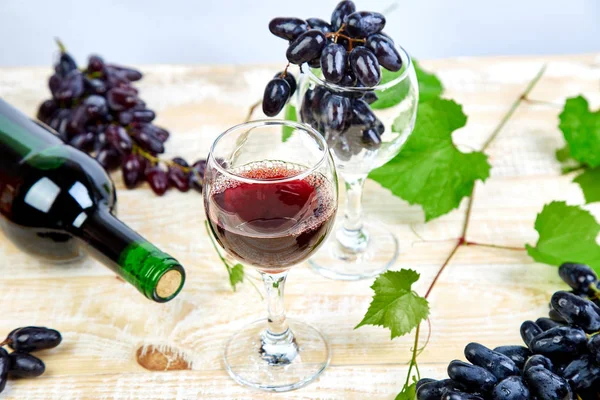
(462, 241)
(60, 44)
(5, 342)
(155, 160)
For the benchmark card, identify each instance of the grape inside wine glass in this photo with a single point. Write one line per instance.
(380, 120)
(271, 204)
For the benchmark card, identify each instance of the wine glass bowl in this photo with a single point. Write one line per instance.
(270, 203)
(365, 127)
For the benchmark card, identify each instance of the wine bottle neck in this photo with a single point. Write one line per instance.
(154, 273)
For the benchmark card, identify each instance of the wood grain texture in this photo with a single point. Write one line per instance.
(483, 295)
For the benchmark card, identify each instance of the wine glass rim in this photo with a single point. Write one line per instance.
(403, 54)
(270, 122)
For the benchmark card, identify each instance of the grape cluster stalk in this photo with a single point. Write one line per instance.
(350, 51)
(98, 110)
(560, 359)
(23, 341)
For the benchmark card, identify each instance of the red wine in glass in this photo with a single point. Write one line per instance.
(272, 220)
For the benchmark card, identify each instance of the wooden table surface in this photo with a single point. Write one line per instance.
(483, 295)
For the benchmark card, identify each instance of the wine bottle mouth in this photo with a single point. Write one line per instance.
(169, 284)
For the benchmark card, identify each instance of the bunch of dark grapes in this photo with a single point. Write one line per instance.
(350, 51)
(19, 363)
(561, 359)
(98, 110)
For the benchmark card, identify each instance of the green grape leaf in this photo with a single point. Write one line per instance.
(589, 181)
(566, 234)
(408, 392)
(236, 275)
(581, 129)
(289, 115)
(564, 154)
(395, 305)
(430, 170)
(429, 87)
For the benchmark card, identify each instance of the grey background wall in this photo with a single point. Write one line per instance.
(230, 31)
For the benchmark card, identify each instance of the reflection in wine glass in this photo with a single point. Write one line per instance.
(271, 204)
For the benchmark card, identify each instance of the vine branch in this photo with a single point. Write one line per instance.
(462, 241)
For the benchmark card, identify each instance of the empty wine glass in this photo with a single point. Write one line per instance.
(381, 119)
(270, 204)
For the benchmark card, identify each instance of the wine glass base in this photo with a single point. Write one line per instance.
(246, 364)
(335, 262)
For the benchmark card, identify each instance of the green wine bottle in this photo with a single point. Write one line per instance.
(56, 200)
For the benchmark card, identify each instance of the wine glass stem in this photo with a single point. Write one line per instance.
(351, 235)
(278, 343)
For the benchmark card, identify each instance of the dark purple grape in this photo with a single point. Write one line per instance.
(60, 120)
(422, 382)
(378, 126)
(349, 79)
(361, 24)
(454, 395)
(79, 118)
(96, 106)
(109, 158)
(529, 330)
(288, 28)
(365, 66)
(579, 276)
(555, 316)
(133, 170)
(333, 62)
(94, 85)
(594, 347)
(116, 79)
(538, 359)
(120, 99)
(33, 338)
(197, 175)
(547, 323)
(126, 72)
(277, 93)
(306, 47)
(472, 375)
(118, 138)
(336, 113)
(385, 51)
(315, 63)
(546, 385)
(341, 11)
(518, 354)
(363, 115)
(4, 367)
(95, 64)
(318, 23)
(583, 373)
(133, 115)
(83, 141)
(577, 311)
(159, 133)
(66, 64)
(24, 365)
(289, 78)
(66, 88)
(158, 180)
(147, 141)
(177, 176)
(511, 388)
(371, 139)
(497, 363)
(560, 341)
(306, 111)
(370, 97)
(433, 390)
(46, 110)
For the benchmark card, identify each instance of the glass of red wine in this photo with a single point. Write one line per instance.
(270, 195)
